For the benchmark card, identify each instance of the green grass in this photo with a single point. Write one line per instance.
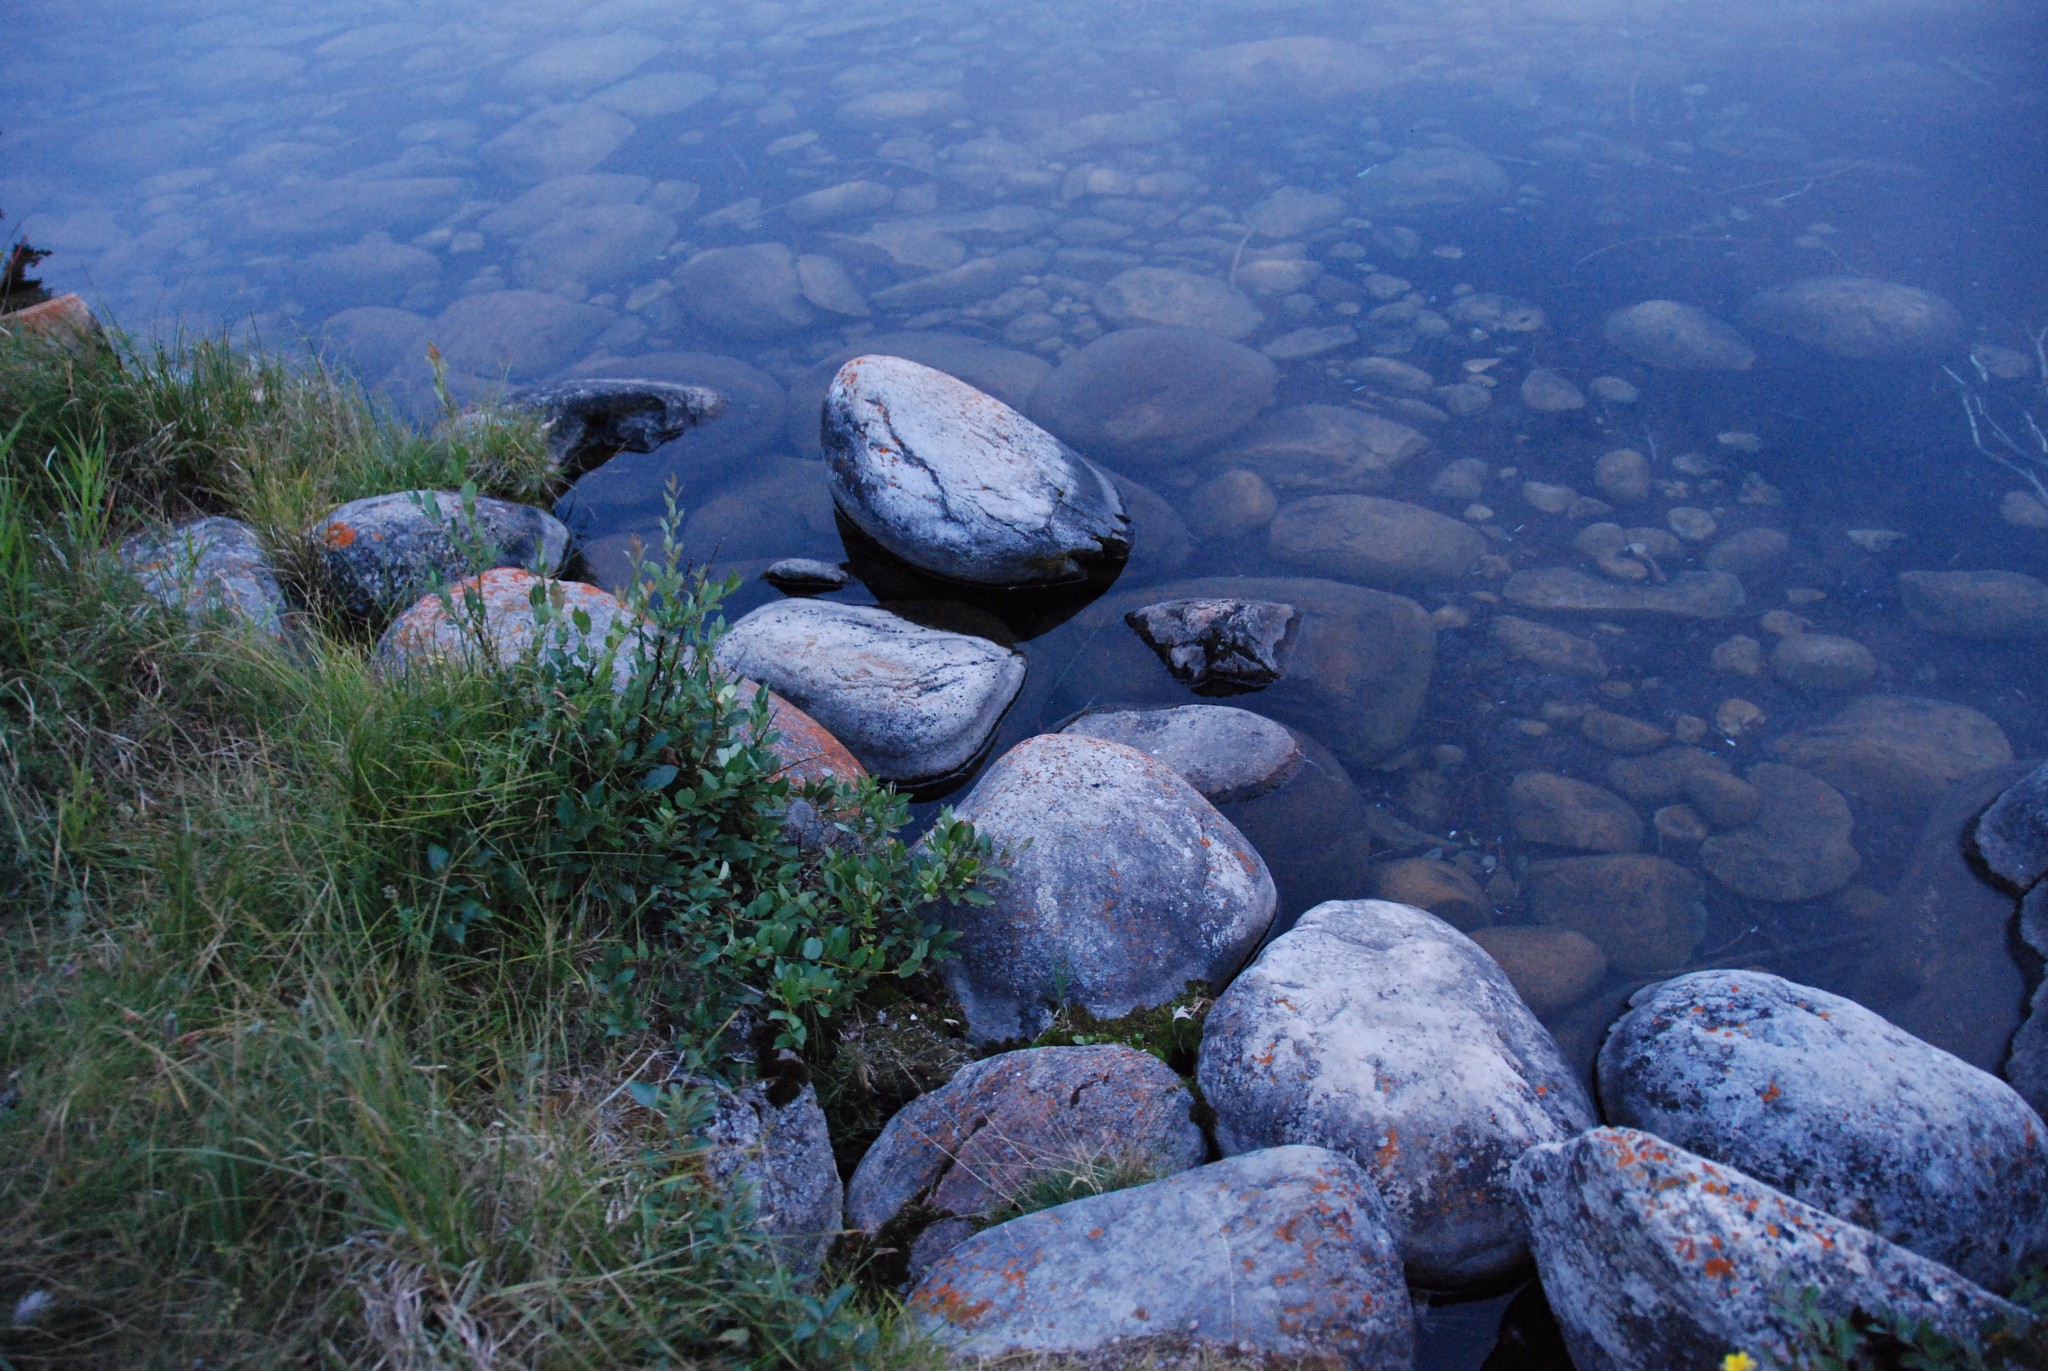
(324, 992)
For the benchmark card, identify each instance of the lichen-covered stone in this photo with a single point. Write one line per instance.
(1227, 644)
(1131, 887)
(210, 565)
(1284, 1251)
(1381, 1031)
(1654, 1258)
(777, 1160)
(1816, 1095)
(380, 554)
(497, 621)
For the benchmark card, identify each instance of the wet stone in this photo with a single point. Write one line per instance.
(593, 419)
(968, 1149)
(1228, 755)
(1623, 476)
(1643, 911)
(806, 576)
(1823, 661)
(745, 292)
(1166, 298)
(1857, 317)
(1748, 551)
(1323, 450)
(1285, 1252)
(1548, 392)
(1796, 848)
(1976, 604)
(1132, 886)
(1380, 1031)
(1552, 649)
(1226, 644)
(380, 554)
(1688, 595)
(1678, 337)
(1154, 395)
(1424, 181)
(1897, 754)
(1662, 776)
(1550, 968)
(1619, 733)
(1558, 811)
(1436, 887)
(2012, 837)
(1373, 541)
(1234, 505)
(1816, 1095)
(1721, 799)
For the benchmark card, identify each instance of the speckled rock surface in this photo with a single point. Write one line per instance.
(1380, 1031)
(966, 1149)
(1132, 886)
(1227, 754)
(957, 483)
(1224, 644)
(1816, 1095)
(2012, 835)
(914, 704)
(1654, 1258)
(1281, 1251)
(593, 419)
(207, 566)
(380, 554)
(780, 1157)
(506, 627)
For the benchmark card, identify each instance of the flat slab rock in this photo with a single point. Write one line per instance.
(208, 566)
(958, 484)
(1687, 595)
(1280, 1251)
(914, 704)
(1816, 1095)
(1228, 644)
(1381, 1031)
(1229, 755)
(1653, 1257)
(380, 554)
(593, 419)
(1131, 887)
(971, 1147)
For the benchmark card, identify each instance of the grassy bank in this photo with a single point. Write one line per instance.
(339, 1009)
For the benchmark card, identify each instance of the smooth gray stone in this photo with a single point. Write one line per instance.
(1284, 1251)
(1678, 337)
(1241, 644)
(1976, 604)
(1688, 595)
(590, 421)
(1373, 541)
(2012, 835)
(1796, 848)
(1429, 181)
(745, 292)
(1857, 317)
(978, 1142)
(380, 554)
(1152, 396)
(806, 576)
(959, 484)
(914, 704)
(1228, 755)
(974, 279)
(1381, 1031)
(1654, 1258)
(1816, 1095)
(778, 1159)
(210, 565)
(1132, 886)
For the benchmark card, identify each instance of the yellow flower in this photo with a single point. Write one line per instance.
(1738, 1361)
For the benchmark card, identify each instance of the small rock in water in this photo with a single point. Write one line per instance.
(747, 292)
(1284, 1252)
(1551, 968)
(1553, 649)
(2022, 510)
(1857, 317)
(1228, 755)
(1693, 525)
(1373, 541)
(1131, 887)
(1796, 848)
(1234, 505)
(1548, 392)
(1619, 733)
(1688, 595)
(1740, 655)
(806, 576)
(210, 565)
(1816, 1095)
(592, 420)
(1561, 812)
(1438, 887)
(1548, 498)
(1612, 390)
(1165, 298)
(914, 704)
(1897, 754)
(1748, 551)
(1380, 1030)
(1230, 644)
(1154, 395)
(1653, 1257)
(1874, 539)
(1678, 337)
(1324, 450)
(1976, 604)
(1623, 476)
(958, 484)
(1823, 661)
(1643, 911)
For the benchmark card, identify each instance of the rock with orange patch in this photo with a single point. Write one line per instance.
(1654, 1258)
(1131, 887)
(957, 483)
(1381, 1031)
(1284, 1252)
(498, 619)
(208, 566)
(1820, 1097)
(66, 322)
(973, 1145)
(914, 704)
(380, 554)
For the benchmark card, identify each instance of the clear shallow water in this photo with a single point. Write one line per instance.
(525, 186)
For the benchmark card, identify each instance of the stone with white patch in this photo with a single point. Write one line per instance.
(1381, 1031)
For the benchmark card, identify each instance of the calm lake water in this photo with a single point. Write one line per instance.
(1394, 211)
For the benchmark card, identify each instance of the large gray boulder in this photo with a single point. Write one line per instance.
(914, 704)
(1816, 1095)
(1654, 1258)
(1284, 1251)
(978, 1143)
(776, 1160)
(1678, 337)
(207, 566)
(1857, 317)
(593, 419)
(380, 554)
(957, 483)
(1228, 755)
(1381, 1031)
(1132, 886)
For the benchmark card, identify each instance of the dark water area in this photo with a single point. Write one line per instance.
(1468, 190)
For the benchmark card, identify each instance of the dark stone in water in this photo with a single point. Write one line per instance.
(805, 576)
(592, 421)
(2012, 837)
(1227, 644)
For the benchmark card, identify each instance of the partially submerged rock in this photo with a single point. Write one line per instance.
(1654, 1258)
(212, 565)
(1228, 755)
(2012, 835)
(958, 484)
(1230, 644)
(379, 555)
(1282, 1251)
(1132, 886)
(1816, 1095)
(1380, 1031)
(592, 420)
